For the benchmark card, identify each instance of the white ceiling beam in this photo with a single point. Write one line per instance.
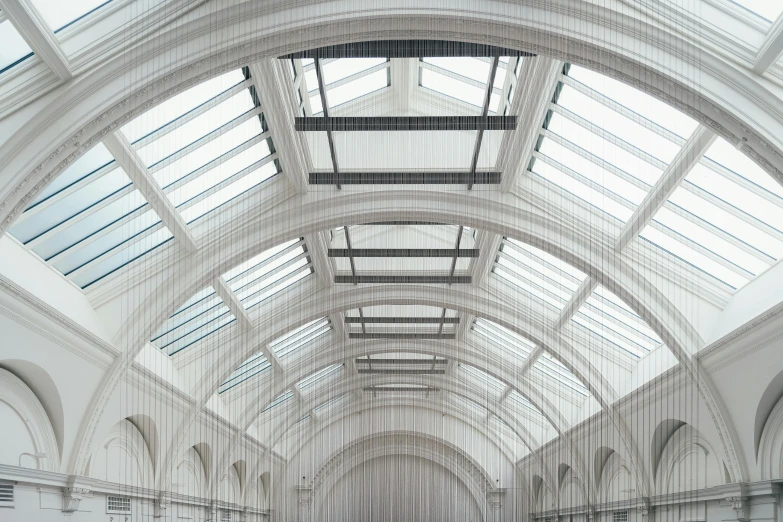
(688, 156)
(234, 305)
(276, 93)
(317, 248)
(576, 301)
(538, 79)
(127, 158)
(771, 49)
(38, 35)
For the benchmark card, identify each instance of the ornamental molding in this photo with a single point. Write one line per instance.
(72, 497)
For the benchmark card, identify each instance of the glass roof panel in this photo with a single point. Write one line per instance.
(323, 375)
(13, 48)
(279, 400)
(61, 14)
(250, 368)
(332, 404)
(630, 132)
(726, 155)
(517, 398)
(336, 70)
(452, 87)
(765, 8)
(553, 368)
(190, 103)
(269, 272)
(642, 104)
(481, 379)
(606, 315)
(357, 88)
(89, 162)
(202, 316)
(300, 337)
(501, 337)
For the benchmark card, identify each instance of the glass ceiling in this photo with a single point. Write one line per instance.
(13, 48)
(59, 15)
(769, 9)
(607, 144)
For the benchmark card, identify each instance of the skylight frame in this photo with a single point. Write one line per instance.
(307, 93)
(298, 338)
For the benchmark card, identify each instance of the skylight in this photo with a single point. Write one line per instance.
(13, 48)
(465, 79)
(481, 379)
(533, 271)
(91, 221)
(300, 337)
(345, 79)
(332, 404)
(279, 400)
(59, 15)
(511, 342)
(269, 273)
(765, 8)
(207, 145)
(323, 375)
(608, 316)
(723, 218)
(201, 316)
(250, 368)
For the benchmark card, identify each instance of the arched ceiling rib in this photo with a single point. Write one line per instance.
(591, 250)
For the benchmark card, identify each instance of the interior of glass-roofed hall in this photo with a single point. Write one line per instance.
(391, 260)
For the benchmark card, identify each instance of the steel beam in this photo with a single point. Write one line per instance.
(404, 252)
(404, 123)
(404, 279)
(406, 49)
(405, 178)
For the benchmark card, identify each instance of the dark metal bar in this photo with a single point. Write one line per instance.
(349, 251)
(404, 123)
(407, 49)
(484, 111)
(406, 178)
(396, 279)
(405, 252)
(401, 372)
(402, 222)
(401, 320)
(329, 137)
(402, 336)
(376, 389)
(403, 361)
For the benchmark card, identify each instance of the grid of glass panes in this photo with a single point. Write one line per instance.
(90, 221)
(483, 381)
(607, 316)
(724, 218)
(770, 10)
(535, 272)
(59, 15)
(280, 400)
(345, 80)
(469, 406)
(206, 146)
(201, 316)
(250, 368)
(269, 273)
(13, 48)
(300, 337)
(332, 404)
(465, 79)
(323, 375)
(518, 401)
(511, 342)
(607, 143)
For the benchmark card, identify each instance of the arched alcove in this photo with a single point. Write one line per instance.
(229, 487)
(769, 400)
(28, 439)
(771, 445)
(616, 483)
(123, 457)
(687, 463)
(190, 476)
(44, 388)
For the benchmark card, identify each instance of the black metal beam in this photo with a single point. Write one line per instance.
(402, 336)
(484, 111)
(401, 222)
(325, 107)
(404, 252)
(402, 320)
(401, 372)
(405, 178)
(404, 123)
(407, 49)
(403, 279)
(403, 361)
(376, 389)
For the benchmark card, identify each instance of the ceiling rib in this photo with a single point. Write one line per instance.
(408, 336)
(407, 49)
(325, 108)
(484, 112)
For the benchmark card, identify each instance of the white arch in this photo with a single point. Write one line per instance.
(771, 446)
(21, 399)
(726, 121)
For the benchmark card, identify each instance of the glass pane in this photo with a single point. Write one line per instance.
(452, 87)
(59, 14)
(92, 160)
(298, 338)
(357, 88)
(13, 48)
(180, 105)
(768, 9)
(342, 68)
